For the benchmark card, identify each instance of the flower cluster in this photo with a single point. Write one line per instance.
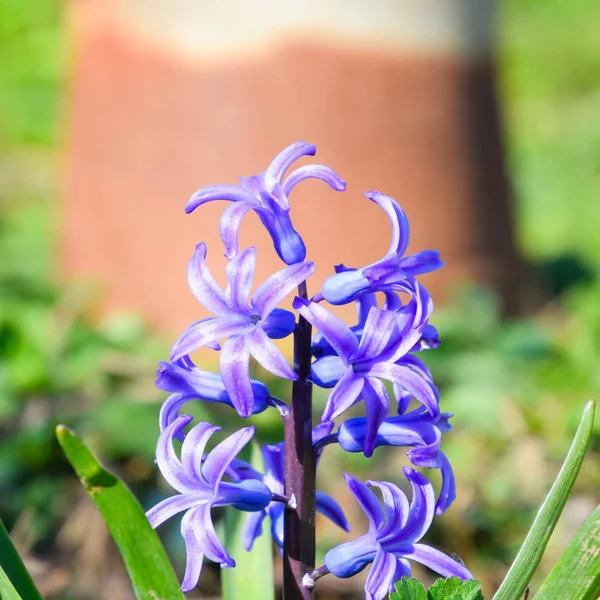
(354, 362)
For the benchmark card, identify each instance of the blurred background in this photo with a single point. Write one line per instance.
(482, 119)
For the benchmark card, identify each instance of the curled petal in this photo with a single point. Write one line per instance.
(398, 219)
(368, 502)
(328, 507)
(333, 329)
(438, 561)
(193, 552)
(252, 529)
(268, 355)
(240, 273)
(218, 460)
(167, 459)
(209, 193)
(396, 507)
(380, 576)
(203, 285)
(192, 449)
(229, 226)
(273, 460)
(235, 362)
(421, 511)
(208, 539)
(344, 395)
(281, 284)
(314, 172)
(280, 164)
(206, 331)
(425, 261)
(448, 491)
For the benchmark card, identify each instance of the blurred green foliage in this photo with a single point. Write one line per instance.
(516, 387)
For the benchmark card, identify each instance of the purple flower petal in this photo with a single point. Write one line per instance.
(448, 491)
(192, 449)
(276, 514)
(273, 460)
(167, 459)
(398, 219)
(194, 554)
(234, 362)
(169, 507)
(333, 329)
(402, 570)
(272, 291)
(377, 332)
(218, 460)
(422, 509)
(352, 557)
(206, 331)
(396, 507)
(423, 390)
(268, 355)
(280, 164)
(314, 172)
(169, 411)
(240, 273)
(208, 539)
(328, 507)
(368, 502)
(381, 575)
(229, 226)
(209, 193)
(438, 561)
(252, 529)
(203, 285)
(344, 395)
(286, 240)
(377, 404)
(425, 261)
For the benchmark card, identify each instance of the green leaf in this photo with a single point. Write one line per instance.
(149, 568)
(14, 571)
(252, 577)
(455, 589)
(408, 589)
(531, 551)
(7, 590)
(577, 574)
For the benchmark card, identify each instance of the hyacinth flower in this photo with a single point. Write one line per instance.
(418, 430)
(392, 272)
(273, 478)
(359, 366)
(248, 323)
(267, 195)
(199, 483)
(186, 381)
(393, 536)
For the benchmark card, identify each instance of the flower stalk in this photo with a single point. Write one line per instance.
(299, 471)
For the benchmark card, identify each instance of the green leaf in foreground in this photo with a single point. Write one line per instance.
(408, 589)
(531, 551)
(149, 568)
(7, 590)
(455, 589)
(14, 570)
(577, 574)
(252, 577)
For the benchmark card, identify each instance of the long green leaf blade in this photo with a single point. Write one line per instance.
(577, 574)
(13, 568)
(149, 568)
(533, 547)
(252, 577)
(7, 590)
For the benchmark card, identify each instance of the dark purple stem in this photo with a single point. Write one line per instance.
(299, 472)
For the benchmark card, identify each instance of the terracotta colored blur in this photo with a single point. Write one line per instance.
(148, 129)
